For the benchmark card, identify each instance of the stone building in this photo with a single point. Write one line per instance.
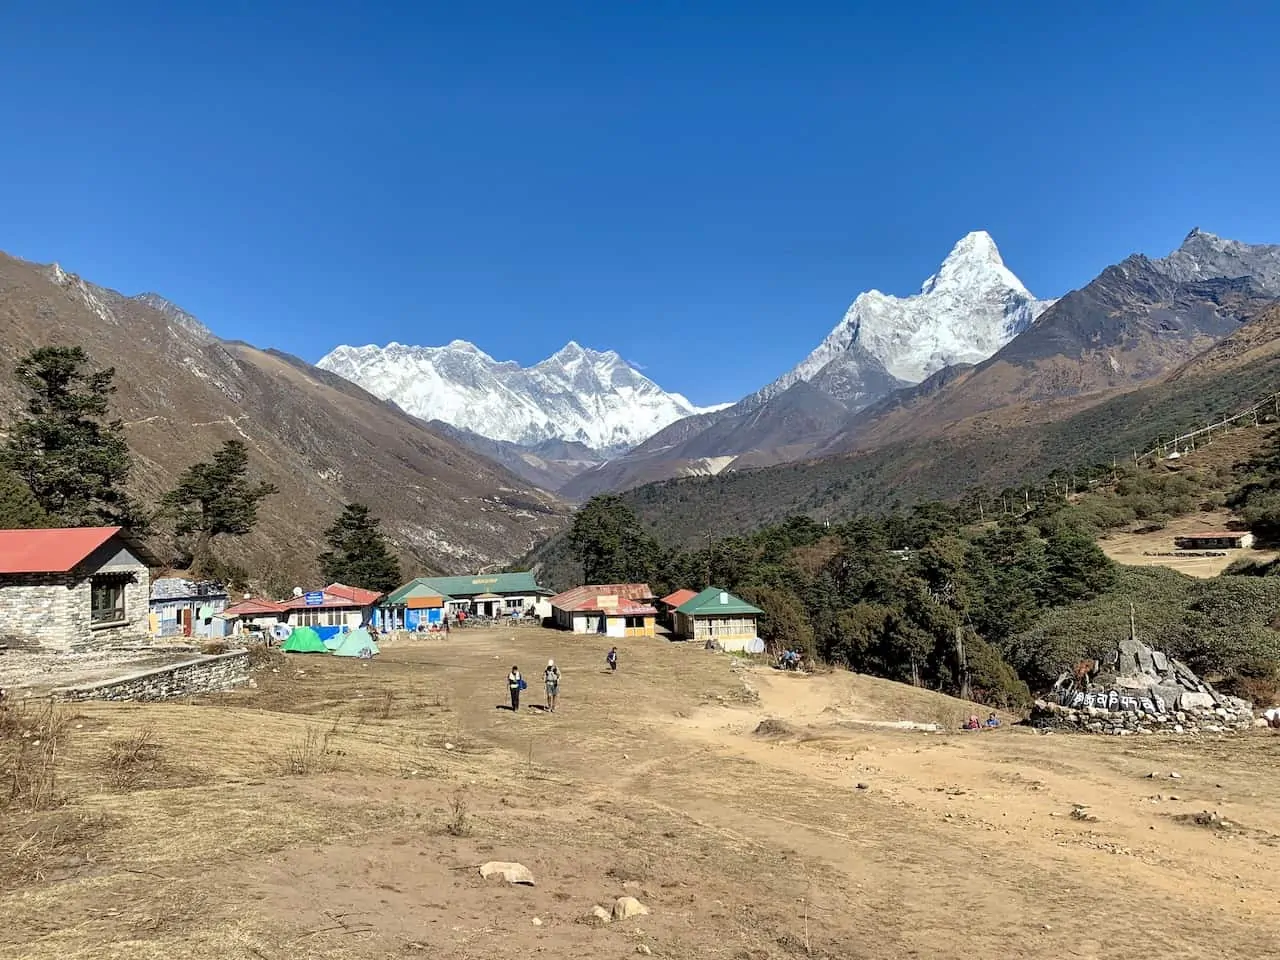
(73, 588)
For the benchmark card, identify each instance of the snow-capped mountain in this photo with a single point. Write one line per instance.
(577, 394)
(964, 313)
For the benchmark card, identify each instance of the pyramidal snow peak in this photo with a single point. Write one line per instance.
(578, 394)
(964, 313)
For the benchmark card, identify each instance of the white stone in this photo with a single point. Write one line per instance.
(624, 908)
(511, 872)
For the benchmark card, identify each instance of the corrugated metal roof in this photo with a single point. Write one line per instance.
(586, 598)
(337, 595)
(707, 604)
(1215, 534)
(463, 587)
(254, 608)
(179, 588)
(679, 597)
(56, 550)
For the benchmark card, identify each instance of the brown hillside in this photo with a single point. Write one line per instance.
(320, 439)
(1258, 339)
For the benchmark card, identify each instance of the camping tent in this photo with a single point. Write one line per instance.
(304, 640)
(332, 643)
(355, 643)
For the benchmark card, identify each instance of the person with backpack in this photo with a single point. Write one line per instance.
(515, 683)
(552, 677)
(612, 658)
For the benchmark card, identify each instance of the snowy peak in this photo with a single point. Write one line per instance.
(577, 394)
(964, 313)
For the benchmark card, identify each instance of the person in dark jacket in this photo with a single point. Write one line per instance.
(515, 683)
(612, 658)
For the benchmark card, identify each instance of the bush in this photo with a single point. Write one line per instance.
(994, 681)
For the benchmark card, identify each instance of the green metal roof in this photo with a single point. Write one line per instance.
(707, 604)
(457, 588)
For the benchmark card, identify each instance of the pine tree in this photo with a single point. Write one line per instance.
(216, 499)
(359, 555)
(606, 538)
(73, 464)
(18, 507)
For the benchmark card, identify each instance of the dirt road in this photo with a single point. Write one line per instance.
(341, 813)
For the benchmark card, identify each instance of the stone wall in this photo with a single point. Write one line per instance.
(1227, 717)
(201, 675)
(54, 610)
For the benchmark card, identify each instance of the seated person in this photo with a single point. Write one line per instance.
(993, 720)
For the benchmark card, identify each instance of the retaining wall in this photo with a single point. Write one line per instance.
(1219, 719)
(200, 675)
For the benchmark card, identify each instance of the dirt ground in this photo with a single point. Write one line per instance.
(340, 810)
(1129, 548)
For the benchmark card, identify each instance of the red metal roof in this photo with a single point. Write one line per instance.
(337, 595)
(679, 597)
(55, 550)
(254, 607)
(584, 599)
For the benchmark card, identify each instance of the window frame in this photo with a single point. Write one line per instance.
(108, 581)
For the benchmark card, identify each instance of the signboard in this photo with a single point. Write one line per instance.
(315, 599)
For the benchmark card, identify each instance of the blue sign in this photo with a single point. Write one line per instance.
(315, 599)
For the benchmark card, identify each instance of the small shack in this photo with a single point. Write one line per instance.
(612, 609)
(254, 615)
(718, 616)
(667, 605)
(1215, 540)
(74, 587)
(186, 608)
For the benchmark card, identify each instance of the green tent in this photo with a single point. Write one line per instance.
(304, 640)
(332, 643)
(353, 644)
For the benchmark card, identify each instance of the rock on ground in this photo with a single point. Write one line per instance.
(511, 872)
(624, 908)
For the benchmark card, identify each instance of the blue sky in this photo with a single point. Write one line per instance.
(702, 187)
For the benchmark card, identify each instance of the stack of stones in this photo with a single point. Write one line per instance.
(1139, 690)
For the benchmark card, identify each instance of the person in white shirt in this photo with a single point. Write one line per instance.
(552, 677)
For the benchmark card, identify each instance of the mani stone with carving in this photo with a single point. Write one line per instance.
(1136, 689)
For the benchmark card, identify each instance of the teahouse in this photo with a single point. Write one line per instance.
(717, 615)
(612, 609)
(333, 609)
(425, 601)
(73, 587)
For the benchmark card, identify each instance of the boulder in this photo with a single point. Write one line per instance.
(624, 908)
(1195, 701)
(510, 872)
(600, 913)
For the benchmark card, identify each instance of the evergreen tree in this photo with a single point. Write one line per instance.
(606, 538)
(74, 465)
(18, 507)
(216, 499)
(359, 555)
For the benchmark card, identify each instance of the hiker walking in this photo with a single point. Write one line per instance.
(612, 658)
(552, 677)
(515, 683)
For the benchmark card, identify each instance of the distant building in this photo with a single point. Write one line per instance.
(73, 588)
(333, 609)
(718, 615)
(668, 604)
(612, 610)
(1214, 540)
(254, 615)
(185, 608)
(428, 600)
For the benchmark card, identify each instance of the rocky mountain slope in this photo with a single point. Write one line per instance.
(319, 438)
(970, 308)
(1134, 323)
(580, 395)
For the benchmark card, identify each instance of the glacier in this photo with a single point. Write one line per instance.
(578, 394)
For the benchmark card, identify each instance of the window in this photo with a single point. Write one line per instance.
(515, 603)
(107, 605)
(319, 617)
(635, 623)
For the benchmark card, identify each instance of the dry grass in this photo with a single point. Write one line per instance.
(32, 735)
(318, 831)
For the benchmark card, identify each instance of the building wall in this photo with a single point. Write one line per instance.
(54, 610)
(731, 632)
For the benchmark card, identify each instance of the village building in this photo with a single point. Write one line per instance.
(330, 611)
(1214, 540)
(186, 608)
(428, 601)
(719, 616)
(612, 610)
(668, 604)
(73, 588)
(254, 615)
